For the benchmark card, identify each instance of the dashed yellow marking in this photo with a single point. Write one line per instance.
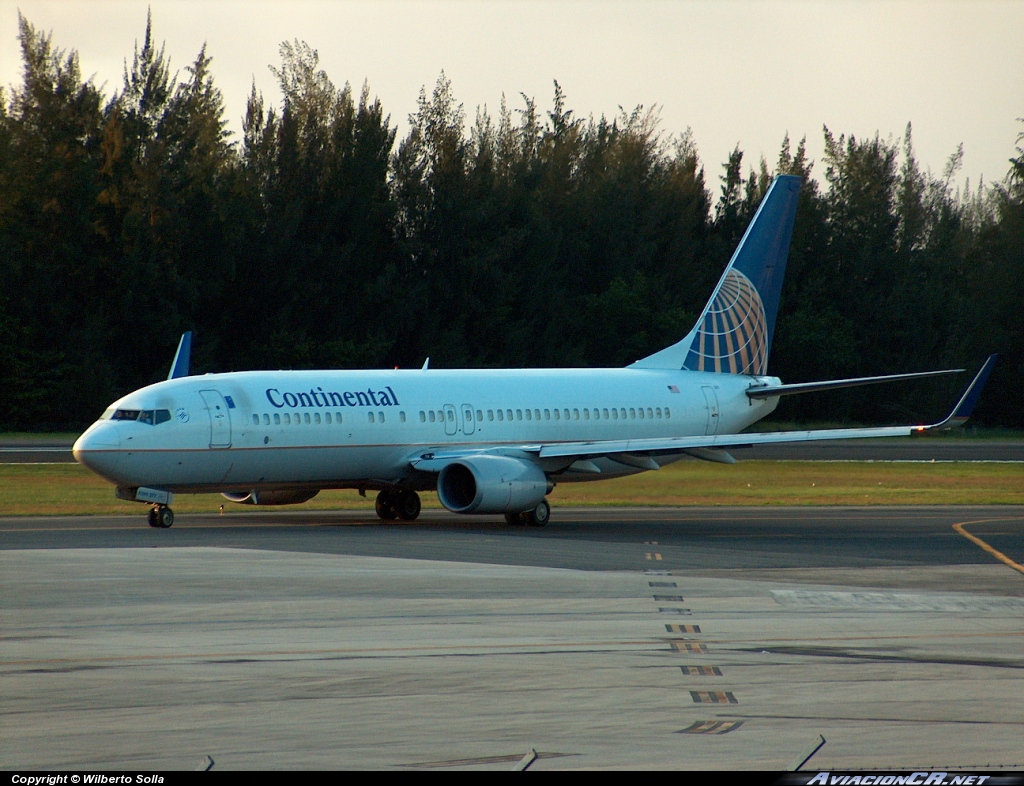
(711, 727)
(682, 628)
(687, 646)
(701, 671)
(959, 527)
(713, 697)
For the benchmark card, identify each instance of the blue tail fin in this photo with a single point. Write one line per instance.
(734, 334)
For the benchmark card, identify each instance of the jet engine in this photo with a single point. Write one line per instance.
(491, 484)
(275, 497)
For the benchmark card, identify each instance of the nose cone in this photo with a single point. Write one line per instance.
(99, 449)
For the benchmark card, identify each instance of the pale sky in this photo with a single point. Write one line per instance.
(739, 71)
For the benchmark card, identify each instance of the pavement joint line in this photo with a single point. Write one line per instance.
(565, 648)
(959, 527)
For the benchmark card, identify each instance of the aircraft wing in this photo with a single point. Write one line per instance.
(712, 447)
(961, 412)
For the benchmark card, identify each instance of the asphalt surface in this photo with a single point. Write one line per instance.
(697, 638)
(740, 538)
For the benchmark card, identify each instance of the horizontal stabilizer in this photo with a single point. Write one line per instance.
(770, 391)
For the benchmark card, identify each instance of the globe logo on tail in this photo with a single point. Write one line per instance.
(733, 333)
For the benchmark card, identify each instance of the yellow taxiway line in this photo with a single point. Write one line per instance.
(959, 527)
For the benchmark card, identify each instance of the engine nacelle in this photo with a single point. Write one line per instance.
(275, 497)
(491, 484)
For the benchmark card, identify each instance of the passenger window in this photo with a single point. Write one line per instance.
(557, 414)
(622, 413)
(547, 414)
(650, 414)
(327, 418)
(606, 414)
(401, 416)
(451, 416)
(277, 419)
(565, 414)
(529, 415)
(508, 414)
(615, 414)
(657, 412)
(380, 416)
(479, 415)
(370, 416)
(632, 413)
(297, 419)
(501, 414)
(255, 420)
(586, 414)
(640, 412)
(316, 418)
(575, 414)
(423, 416)
(490, 414)
(431, 416)
(440, 415)
(667, 413)
(305, 417)
(337, 417)
(519, 414)
(266, 419)
(287, 419)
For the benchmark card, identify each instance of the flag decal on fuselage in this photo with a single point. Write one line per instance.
(733, 335)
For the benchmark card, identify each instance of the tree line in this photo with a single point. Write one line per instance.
(533, 237)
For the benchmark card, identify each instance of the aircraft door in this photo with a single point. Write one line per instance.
(219, 409)
(451, 421)
(468, 423)
(711, 398)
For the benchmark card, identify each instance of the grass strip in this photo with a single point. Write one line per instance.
(69, 489)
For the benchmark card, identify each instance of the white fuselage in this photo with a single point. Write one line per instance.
(360, 429)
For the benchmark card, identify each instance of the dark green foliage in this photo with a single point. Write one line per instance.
(531, 238)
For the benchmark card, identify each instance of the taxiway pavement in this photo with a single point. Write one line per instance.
(697, 638)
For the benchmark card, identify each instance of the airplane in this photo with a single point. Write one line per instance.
(488, 441)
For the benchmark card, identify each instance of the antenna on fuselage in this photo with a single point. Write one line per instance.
(182, 358)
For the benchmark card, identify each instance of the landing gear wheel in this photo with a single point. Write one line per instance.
(153, 518)
(513, 519)
(164, 516)
(539, 516)
(407, 505)
(385, 506)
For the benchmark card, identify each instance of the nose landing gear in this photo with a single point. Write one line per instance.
(161, 516)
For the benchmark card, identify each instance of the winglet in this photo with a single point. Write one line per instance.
(965, 406)
(182, 358)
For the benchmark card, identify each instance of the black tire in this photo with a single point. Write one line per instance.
(407, 505)
(513, 519)
(538, 517)
(153, 518)
(385, 506)
(166, 517)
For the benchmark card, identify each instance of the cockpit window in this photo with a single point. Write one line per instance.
(153, 417)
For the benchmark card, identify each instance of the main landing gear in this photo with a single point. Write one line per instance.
(537, 517)
(161, 516)
(398, 504)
